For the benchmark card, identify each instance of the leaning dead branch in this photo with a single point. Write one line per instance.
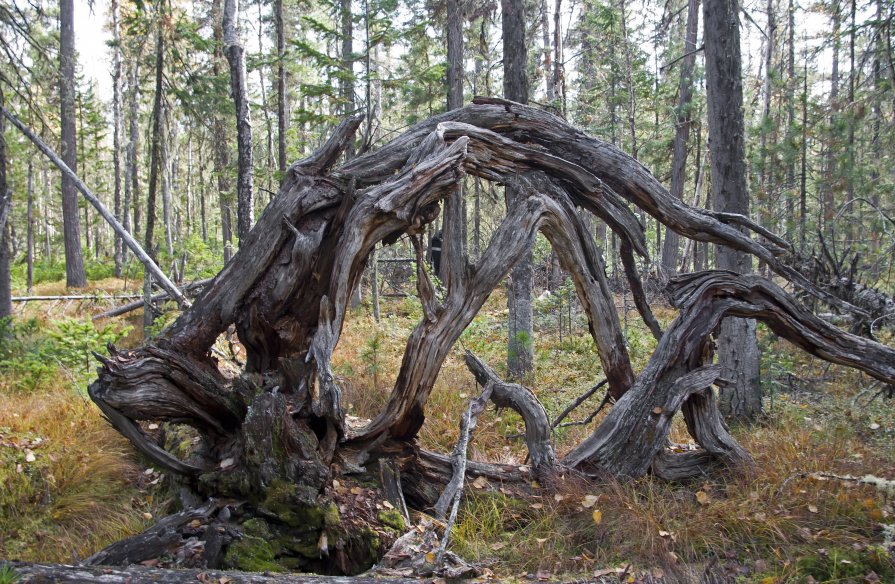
(454, 490)
(136, 305)
(125, 235)
(523, 401)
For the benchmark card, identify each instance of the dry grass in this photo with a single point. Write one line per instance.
(774, 523)
(80, 491)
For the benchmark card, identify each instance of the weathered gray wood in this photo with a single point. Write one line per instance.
(454, 489)
(633, 433)
(287, 294)
(163, 537)
(130, 307)
(239, 91)
(523, 401)
(62, 573)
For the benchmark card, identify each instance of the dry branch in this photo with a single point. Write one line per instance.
(524, 402)
(125, 235)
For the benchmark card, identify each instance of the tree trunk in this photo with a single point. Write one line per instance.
(559, 83)
(683, 119)
(5, 211)
(737, 346)
(221, 143)
(453, 242)
(132, 175)
(166, 172)
(548, 53)
(832, 171)
(347, 32)
(30, 219)
(515, 87)
(116, 131)
(75, 276)
(282, 122)
(155, 158)
(239, 90)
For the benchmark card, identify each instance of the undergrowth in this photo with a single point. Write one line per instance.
(69, 484)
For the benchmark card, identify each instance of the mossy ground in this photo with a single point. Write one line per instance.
(781, 522)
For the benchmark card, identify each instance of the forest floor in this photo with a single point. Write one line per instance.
(819, 506)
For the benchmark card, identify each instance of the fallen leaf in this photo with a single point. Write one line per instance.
(874, 426)
(558, 498)
(537, 505)
(29, 456)
(703, 498)
(812, 508)
(541, 540)
(498, 545)
(657, 573)
(430, 557)
(480, 483)
(147, 516)
(597, 516)
(589, 501)
(336, 484)
(225, 580)
(227, 462)
(153, 426)
(388, 505)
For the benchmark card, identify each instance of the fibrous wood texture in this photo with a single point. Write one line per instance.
(286, 292)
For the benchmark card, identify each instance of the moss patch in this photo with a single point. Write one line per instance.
(392, 518)
(252, 554)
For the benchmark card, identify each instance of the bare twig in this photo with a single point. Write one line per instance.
(580, 401)
(454, 489)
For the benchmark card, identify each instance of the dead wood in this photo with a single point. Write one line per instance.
(131, 306)
(276, 435)
(522, 400)
(61, 573)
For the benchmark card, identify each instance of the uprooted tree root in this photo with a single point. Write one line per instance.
(273, 439)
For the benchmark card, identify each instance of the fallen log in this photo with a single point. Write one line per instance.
(32, 573)
(130, 307)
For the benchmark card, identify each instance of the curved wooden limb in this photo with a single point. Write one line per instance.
(622, 174)
(250, 287)
(636, 285)
(579, 256)
(523, 401)
(763, 300)
(146, 446)
(630, 437)
(431, 340)
(156, 383)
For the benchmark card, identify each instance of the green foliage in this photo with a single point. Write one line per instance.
(8, 574)
(371, 356)
(32, 352)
